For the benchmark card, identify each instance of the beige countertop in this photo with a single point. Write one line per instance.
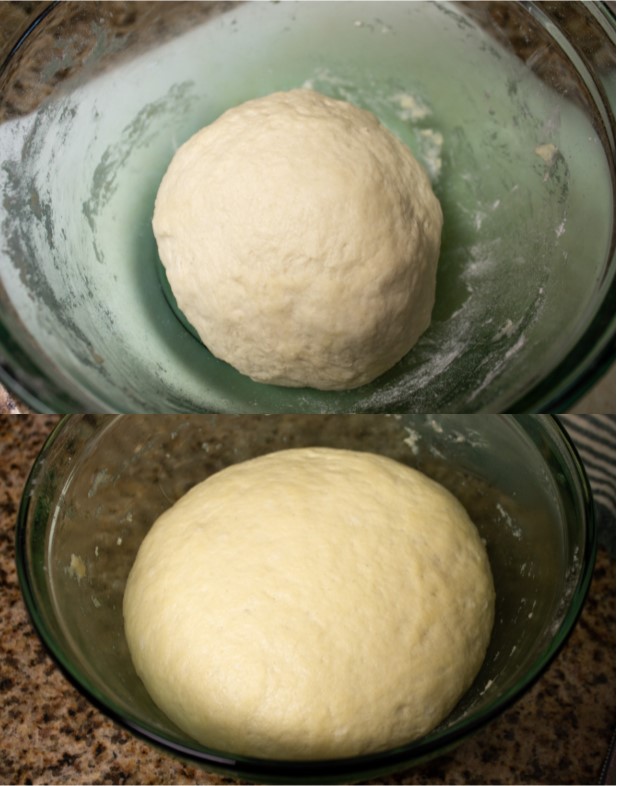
(558, 732)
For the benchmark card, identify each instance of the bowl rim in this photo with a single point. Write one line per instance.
(33, 381)
(331, 770)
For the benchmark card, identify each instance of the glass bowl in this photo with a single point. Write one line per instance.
(510, 106)
(100, 482)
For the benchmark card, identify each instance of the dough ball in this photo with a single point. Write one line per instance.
(300, 239)
(311, 603)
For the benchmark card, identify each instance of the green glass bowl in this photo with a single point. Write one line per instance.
(100, 482)
(510, 106)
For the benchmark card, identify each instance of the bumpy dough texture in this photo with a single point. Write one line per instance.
(300, 239)
(308, 604)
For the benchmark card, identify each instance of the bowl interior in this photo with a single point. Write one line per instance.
(102, 480)
(514, 134)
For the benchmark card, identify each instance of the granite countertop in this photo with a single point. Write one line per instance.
(558, 732)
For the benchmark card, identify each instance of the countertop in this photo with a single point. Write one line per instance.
(558, 732)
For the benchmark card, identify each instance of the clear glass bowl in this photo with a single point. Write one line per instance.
(100, 482)
(510, 106)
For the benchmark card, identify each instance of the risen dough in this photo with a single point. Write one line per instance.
(300, 239)
(310, 603)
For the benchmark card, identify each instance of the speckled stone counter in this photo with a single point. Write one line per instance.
(558, 732)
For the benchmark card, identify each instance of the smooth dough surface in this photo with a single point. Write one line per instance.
(300, 238)
(310, 603)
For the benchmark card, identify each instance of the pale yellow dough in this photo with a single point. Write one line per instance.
(308, 604)
(300, 239)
